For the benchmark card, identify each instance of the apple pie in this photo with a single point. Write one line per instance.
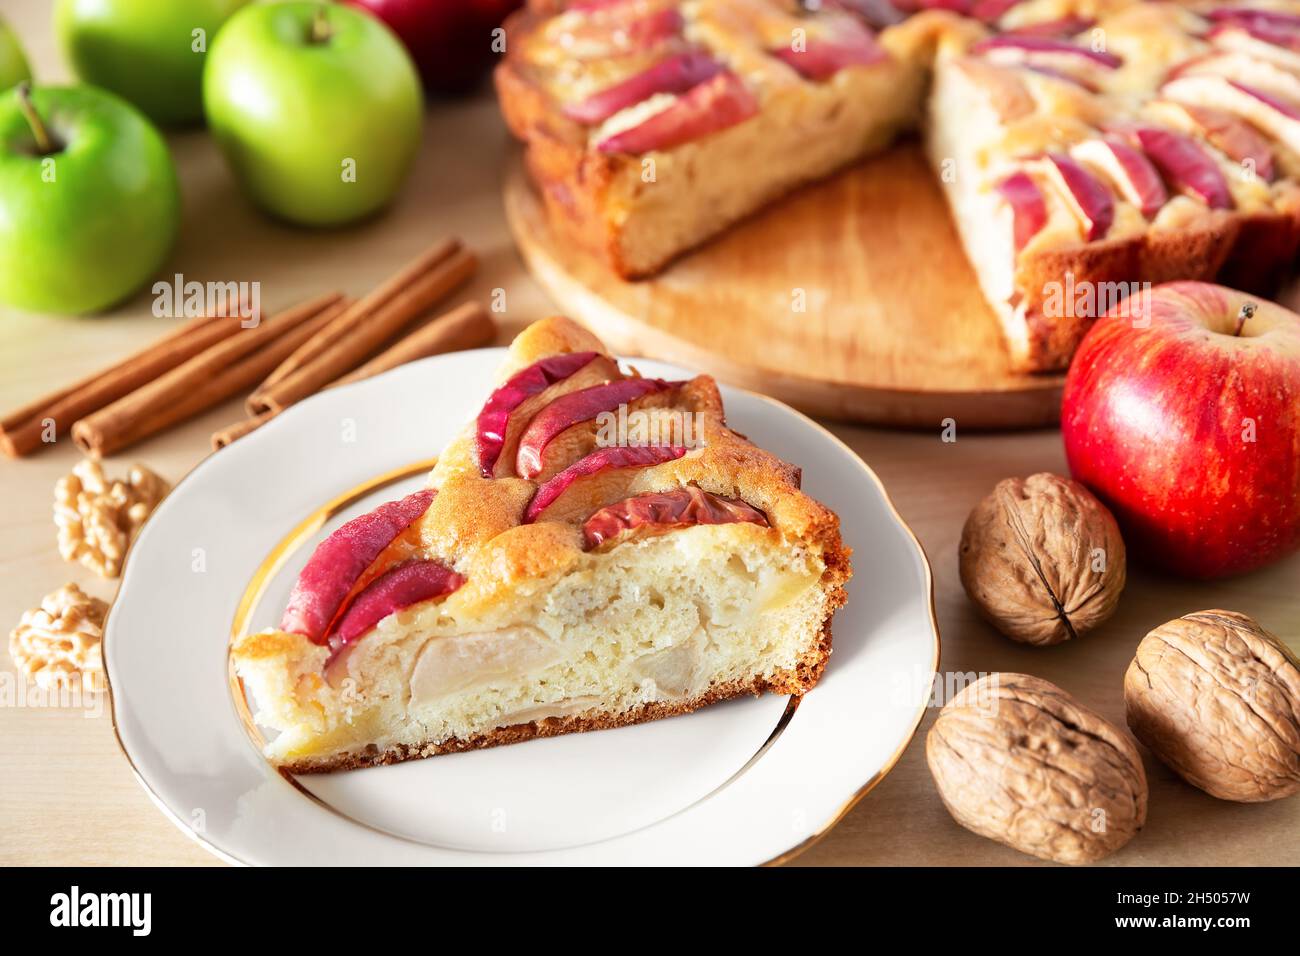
(1085, 146)
(1089, 156)
(596, 549)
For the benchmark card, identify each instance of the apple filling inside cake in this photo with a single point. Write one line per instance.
(617, 583)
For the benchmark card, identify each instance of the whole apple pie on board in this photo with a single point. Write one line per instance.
(1082, 144)
(596, 549)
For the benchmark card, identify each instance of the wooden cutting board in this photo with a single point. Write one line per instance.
(894, 330)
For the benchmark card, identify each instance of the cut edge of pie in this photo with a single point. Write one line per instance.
(621, 583)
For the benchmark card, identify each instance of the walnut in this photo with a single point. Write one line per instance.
(57, 645)
(1042, 559)
(1018, 760)
(1217, 698)
(97, 518)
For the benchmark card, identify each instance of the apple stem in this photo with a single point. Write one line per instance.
(1247, 312)
(44, 142)
(320, 26)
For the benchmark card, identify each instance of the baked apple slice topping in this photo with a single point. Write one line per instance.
(584, 405)
(1084, 193)
(1246, 69)
(1272, 114)
(1254, 14)
(656, 512)
(341, 559)
(1230, 135)
(821, 57)
(1184, 164)
(1028, 210)
(1013, 49)
(1273, 42)
(1128, 170)
(677, 74)
(713, 105)
(593, 467)
(991, 11)
(609, 30)
(398, 588)
(494, 420)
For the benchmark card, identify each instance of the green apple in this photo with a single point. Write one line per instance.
(13, 65)
(89, 201)
(317, 108)
(149, 51)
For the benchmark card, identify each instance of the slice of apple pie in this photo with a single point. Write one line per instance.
(596, 549)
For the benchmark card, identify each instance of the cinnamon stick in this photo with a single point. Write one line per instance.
(404, 278)
(361, 331)
(203, 380)
(232, 433)
(464, 327)
(21, 431)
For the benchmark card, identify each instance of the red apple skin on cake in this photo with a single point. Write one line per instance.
(341, 559)
(675, 75)
(712, 106)
(584, 405)
(494, 419)
(602, 459)
(661, 511)
(392, 591)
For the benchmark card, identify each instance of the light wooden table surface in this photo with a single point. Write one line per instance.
(67, 795)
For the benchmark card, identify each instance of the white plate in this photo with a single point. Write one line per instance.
(743, 782)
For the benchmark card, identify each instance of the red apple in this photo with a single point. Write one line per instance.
(658, 511)
(1184, 164)
(340, 560)
(676, 74)
(1087, 197)
(600, 460)
(1128, 170)
(393, 590)
(1189, 428)
(583, 405)
(1028, 210)
(494, 420)
(717, 104)
(450, 40)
